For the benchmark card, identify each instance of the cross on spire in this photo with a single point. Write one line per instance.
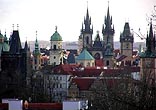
(36, 34)
(56, 28)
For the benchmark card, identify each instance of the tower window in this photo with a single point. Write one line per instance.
(54, 63)
(54, 47)
(107, 62)
(127, 45)
(54, 57)
(88, 64)
(87, 40)
(35, 61)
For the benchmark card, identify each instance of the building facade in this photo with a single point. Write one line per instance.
(56, 49)
(98, 48)
(15, 66)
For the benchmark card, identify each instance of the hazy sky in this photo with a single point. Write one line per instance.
(68, 15)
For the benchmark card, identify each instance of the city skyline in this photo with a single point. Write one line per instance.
(43, 16)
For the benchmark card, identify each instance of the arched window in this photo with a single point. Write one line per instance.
(54, 47)
(87, 40)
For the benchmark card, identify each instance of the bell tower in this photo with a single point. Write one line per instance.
(148, 59)
(108, 40)
(126, 40)
(87, 31)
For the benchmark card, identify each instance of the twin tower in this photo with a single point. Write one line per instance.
(103, 49)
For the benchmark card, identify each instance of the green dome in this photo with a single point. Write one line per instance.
(56, 37)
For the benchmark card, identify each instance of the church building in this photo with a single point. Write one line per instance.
(100, 48)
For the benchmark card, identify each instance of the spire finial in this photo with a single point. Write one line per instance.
(97, 31)
(87, 4)
(56, 28)
(5, 32)
(36, 34)
(17, 26)
(108, 3)
(13, 26)
(26, 38)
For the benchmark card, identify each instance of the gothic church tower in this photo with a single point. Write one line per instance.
(87, 31)
(126, 40)
(148, 59)
(108, 40)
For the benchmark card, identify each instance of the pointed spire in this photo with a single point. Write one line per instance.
(108, 15)
(26, 46)
(87, 14)
(36, 44)
(108, 23)
(82, 27)
(87, 23)
(5, 37)
(151, 30)
(36, 37)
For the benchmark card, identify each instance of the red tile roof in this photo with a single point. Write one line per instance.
(83, 83)
(76, 70)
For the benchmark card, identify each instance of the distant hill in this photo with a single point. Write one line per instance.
(74, 45)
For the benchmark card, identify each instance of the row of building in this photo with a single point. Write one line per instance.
(73, 74)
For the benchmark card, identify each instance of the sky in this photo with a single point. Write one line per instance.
(43, 15)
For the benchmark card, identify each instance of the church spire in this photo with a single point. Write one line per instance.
(36, 43)
(87, 23)
(150, 41)
(107, 27)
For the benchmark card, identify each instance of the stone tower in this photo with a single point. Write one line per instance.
(36, 56)
(148, 59)
(126, 40)
(56, 49)
(108, 40)
(87, 31)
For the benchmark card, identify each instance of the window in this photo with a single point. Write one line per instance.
(54, 63)
(127, 45)
(35, 60)
(107, 62)
(88, 64)
(54, 47)
(87, 40)
(54, 57)
(60, 85)
(60, 78)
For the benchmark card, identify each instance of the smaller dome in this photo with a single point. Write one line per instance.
(56, 37)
